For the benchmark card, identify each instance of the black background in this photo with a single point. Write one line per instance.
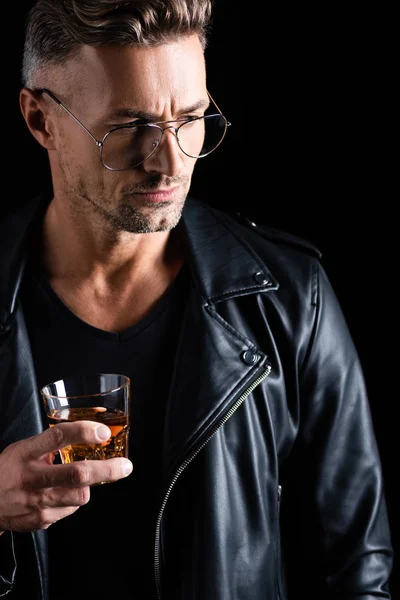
(310, 151)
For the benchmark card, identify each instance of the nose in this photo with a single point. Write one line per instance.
(168, 158)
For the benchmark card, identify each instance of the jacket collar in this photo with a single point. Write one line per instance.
(224, 266)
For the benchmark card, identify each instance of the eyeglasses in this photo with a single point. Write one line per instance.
(129, 145)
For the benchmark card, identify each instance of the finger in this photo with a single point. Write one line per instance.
(82, 473)
(51, 516)
(64, 434)
(62, 497)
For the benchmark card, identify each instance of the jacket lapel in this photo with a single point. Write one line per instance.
(210, 372)
(15, 230)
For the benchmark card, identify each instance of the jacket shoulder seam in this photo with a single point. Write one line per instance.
(280, 236)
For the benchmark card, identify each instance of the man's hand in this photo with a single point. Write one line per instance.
(35, 493)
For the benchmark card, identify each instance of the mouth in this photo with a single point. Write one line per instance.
(159, 195)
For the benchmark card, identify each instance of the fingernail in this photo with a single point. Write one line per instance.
(127, 467)
(103, 433)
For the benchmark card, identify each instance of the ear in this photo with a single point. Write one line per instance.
(34, 110)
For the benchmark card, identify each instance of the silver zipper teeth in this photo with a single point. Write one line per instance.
(183, 466)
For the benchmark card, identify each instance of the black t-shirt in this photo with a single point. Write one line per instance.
(106, 548)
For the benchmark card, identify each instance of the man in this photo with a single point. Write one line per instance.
(256, 474)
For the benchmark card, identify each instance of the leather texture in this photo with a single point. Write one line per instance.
(272, 479)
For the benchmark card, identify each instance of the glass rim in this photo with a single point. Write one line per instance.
(157, 124)
(161, 133)
(103, 393)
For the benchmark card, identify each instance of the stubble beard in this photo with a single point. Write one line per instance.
(150, 217)
(130, 219)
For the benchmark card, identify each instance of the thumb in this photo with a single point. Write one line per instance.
(64, 434)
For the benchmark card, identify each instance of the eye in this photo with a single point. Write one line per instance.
(130, 123)
(140, 122)
(192, 117)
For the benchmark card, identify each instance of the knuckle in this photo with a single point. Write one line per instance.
(35, 503)
(43, 525)
(57, 434)
(115, 470)
(84, 430)
(42, 519)
(80, 473)
(39, 503)
(83, 496)
(81, 429)
(45, 478)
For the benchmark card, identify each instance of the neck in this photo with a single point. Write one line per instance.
(71, 249)
(108, 280)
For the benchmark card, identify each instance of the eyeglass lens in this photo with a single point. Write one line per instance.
(128, 147)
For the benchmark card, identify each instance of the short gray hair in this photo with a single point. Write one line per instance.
(56, 29)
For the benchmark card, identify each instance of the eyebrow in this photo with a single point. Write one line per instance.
(133, 113)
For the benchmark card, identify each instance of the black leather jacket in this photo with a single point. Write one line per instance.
(272, 480)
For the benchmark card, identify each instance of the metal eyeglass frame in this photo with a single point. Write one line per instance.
(100, 143)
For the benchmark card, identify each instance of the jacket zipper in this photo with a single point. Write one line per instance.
(189, 459)
(278, 550)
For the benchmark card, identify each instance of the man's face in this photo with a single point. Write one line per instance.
(110, 86)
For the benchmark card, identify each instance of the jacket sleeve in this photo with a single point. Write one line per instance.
(7, 563)
(333, 508)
